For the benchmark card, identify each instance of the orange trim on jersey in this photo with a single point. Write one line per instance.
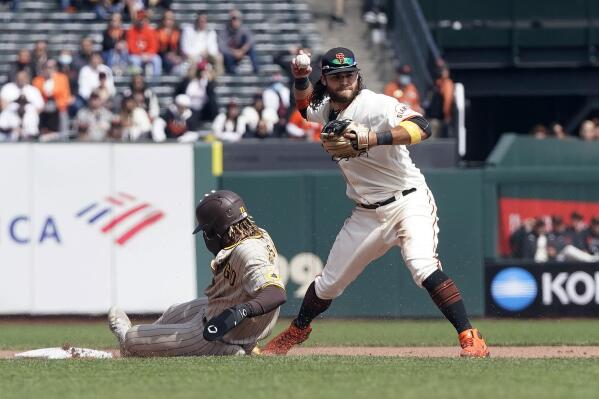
(303, 103)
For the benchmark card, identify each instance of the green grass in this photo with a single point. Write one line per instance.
(310, 377)
(315, 377)
(337, 333)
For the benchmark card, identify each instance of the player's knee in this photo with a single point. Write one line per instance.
(422, 268)
(325, 290)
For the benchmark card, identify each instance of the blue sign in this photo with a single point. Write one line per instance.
(514, 289)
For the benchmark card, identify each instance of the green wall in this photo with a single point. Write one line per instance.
(303, 211)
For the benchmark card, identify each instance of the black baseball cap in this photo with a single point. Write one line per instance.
(337, 60)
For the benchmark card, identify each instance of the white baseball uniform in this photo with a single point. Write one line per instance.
(240, 271)
(409, 222)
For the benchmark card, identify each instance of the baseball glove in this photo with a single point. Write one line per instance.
(344, 139)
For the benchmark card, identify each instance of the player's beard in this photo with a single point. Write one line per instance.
(343, 98)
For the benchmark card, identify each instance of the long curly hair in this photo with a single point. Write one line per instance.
(243, 229)
(319, 92)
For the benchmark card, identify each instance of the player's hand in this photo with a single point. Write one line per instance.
(230, 318)
(298, 72)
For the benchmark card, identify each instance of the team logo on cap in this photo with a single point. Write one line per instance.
(340, 57)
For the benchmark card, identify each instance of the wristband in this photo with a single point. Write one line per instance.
(301, 83)
(384, 138)
(413, 130)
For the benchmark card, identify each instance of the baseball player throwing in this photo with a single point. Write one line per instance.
(367, 133)
(241, 304)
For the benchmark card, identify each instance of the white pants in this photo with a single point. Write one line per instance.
(410, 223)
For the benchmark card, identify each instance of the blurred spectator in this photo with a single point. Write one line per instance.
(14, 4)
(133, 7)
(519, 237)
(21, 87)
(23, 63)
(592, 238)
(142, 43)
(56, 92)
(277, 97)
(257, 112)
(39, 56)
(557, 131)
(65, 65)
(375, 16)
(262, 131)
(338, 14)
(83, 57)
(560, 248)
(440, 111)
(538, 248)
(236, 42)
(169, 36)
(539, 132)
(113, 33)
(176, 122)
(119, 59)
(70, 6)
(108, 8)
(149, 100)
(403, 90)
(19, 121)
(229, 125)
(135, 122)
(577, 231)
(298, 127)
(159, 3)
(198, 42)
(587, 131)
(115, 132)
(95, 76)
(93, 121)
(199, 87)
(530, 241)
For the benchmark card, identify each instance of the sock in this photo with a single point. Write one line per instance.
(311, 307)
(447, 297)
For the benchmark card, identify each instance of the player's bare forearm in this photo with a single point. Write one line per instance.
(303, 94)
(302, 87)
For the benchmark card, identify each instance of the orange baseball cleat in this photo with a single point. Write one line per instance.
(473, 344)
(282, 343)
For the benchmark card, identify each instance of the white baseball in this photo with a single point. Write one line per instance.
(302, 61)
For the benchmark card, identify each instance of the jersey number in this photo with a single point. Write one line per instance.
(229, 274)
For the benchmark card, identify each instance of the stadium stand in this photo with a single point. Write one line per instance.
(275, 24)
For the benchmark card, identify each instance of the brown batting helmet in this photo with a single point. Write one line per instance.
(218, 211)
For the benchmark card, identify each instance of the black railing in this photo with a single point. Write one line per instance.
(413, 43)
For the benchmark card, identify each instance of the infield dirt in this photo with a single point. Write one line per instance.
(522, 352)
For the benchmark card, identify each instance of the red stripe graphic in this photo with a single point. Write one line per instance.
(114, 201)
(118, 219)
(153, 218)
(127, 196)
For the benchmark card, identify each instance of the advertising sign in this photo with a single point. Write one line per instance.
(83, 227)
(542, 290)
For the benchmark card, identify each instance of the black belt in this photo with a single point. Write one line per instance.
(387, 201)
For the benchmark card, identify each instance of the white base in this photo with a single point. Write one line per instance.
(61, 353)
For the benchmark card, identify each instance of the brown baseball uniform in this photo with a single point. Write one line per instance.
(240, 272)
